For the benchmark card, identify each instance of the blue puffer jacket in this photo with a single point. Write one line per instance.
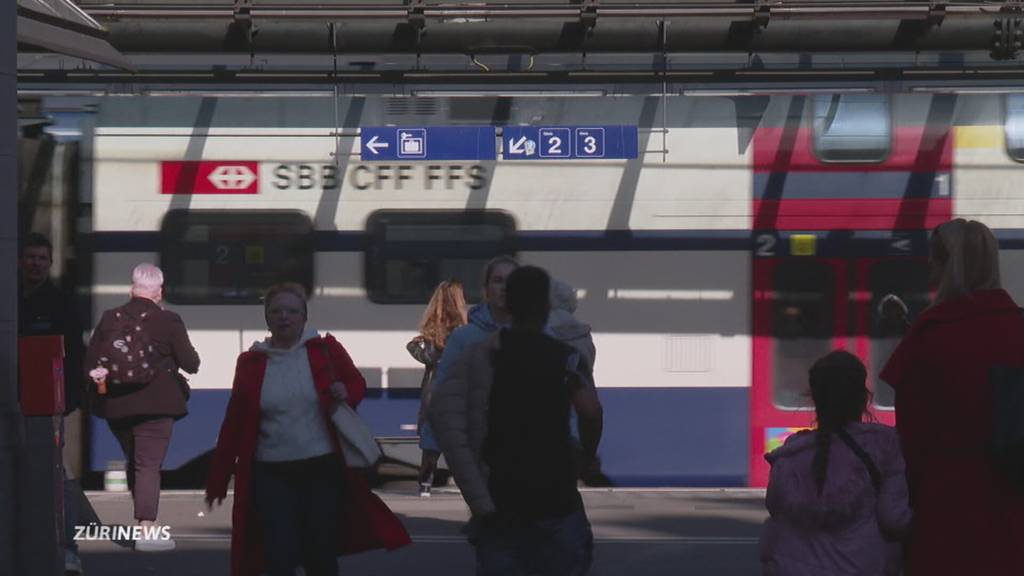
(481, 324)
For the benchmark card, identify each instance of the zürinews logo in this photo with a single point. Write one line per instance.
(95, 532)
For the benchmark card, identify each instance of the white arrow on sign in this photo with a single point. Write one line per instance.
(901, 244)
(374, 145)
(517, 146)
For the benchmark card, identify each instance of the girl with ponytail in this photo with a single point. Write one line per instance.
(837, 494)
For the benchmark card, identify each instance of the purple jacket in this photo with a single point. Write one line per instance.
(839, 532)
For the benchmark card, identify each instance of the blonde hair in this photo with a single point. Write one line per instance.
(445, 312)
(293, 288)
(969, 255)
(147, 281)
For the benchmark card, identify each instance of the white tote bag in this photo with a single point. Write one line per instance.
(357, 442)
(358, 445)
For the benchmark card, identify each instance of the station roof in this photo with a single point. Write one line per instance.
(562, 26)
(719, 44)
(62, 27)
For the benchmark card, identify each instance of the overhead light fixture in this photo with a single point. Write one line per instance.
(776, 91)
(806, 91)
(716, 93)
(60, 92)
(242, 93)
(508, 93)
(792, 72)
(975, 90)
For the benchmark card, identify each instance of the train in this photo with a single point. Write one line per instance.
(752, 233)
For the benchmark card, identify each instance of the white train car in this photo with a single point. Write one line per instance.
(752, 233)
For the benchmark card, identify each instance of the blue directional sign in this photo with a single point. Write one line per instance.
(569, 142)
(428, 143)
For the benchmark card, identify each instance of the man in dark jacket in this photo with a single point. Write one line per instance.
(503, 423)
(46, 310)
(141, 414)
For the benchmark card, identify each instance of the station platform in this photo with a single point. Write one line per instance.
(637, 531)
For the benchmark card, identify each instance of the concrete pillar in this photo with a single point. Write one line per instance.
(39, 507)
(11, 426)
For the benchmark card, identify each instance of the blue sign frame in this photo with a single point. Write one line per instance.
(418, 143)
(570, 143)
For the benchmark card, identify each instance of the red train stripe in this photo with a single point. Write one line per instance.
(913, 148)
(854, 214)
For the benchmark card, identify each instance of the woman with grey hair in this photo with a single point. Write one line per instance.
(563, 324)
(968, 513)
(134, 357)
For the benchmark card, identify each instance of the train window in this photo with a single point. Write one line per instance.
(1015, 126)
(852, 127)
(802, 326)
(410, 252)
(907, 279)
(221, 257)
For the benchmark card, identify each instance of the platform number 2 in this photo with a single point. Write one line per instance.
(766, 245)
(554, 145)
(222, 254)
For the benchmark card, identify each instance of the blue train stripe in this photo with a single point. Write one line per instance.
(569, 240)
(624, 240)
(652, 436)
(843, 242)
(676, 436)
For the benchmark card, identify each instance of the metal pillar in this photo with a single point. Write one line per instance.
(29, 540)
(11, 427)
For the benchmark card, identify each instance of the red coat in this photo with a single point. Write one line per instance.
(967, 518)
(366, 523)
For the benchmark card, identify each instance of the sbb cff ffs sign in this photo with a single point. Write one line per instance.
(209, 177)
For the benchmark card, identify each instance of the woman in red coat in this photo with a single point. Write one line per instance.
(968, 518)
(295, 500)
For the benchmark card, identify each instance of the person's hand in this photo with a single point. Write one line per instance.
(893, 309)
(210, 500)
(339, 392)
(592, 474)
(98, 374)
(482, 525)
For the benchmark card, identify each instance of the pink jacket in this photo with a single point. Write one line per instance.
(841, 531)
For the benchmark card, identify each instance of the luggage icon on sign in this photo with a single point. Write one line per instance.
(412, 143)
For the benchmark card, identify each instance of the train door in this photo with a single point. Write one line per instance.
(813, 294)
(875, 335)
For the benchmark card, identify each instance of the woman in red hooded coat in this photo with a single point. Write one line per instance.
(968, 517)
(295, 500)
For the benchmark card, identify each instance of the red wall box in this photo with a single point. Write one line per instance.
(41, 375)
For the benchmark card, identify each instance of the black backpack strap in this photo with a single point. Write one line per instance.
(876, 475)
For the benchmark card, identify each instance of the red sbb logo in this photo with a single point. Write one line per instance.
(210, 177)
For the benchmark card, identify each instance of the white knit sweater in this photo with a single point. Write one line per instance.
(290, 424)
